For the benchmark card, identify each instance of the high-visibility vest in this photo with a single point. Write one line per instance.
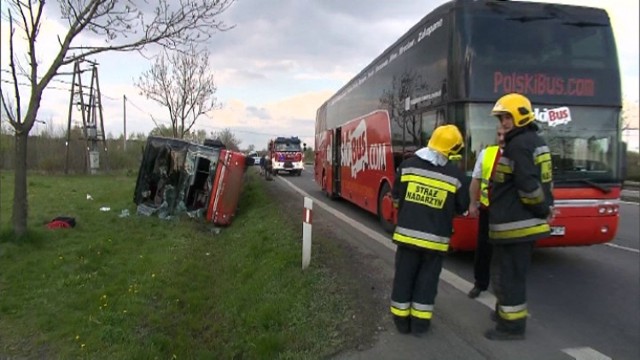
(489, 158)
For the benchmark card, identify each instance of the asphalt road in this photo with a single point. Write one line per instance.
(584, 301)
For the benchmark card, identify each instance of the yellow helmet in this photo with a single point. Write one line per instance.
(447, 140)
(518, 106)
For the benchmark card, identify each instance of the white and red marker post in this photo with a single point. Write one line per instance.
(306, 232)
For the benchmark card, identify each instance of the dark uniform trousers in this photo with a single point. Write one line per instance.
(419, 268)
(509, 266)
(482, 262)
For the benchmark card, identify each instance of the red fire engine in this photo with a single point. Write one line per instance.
(286, 154)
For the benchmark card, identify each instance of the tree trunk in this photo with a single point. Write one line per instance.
(20, 185)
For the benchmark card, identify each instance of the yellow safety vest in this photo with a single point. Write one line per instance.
(488, 160)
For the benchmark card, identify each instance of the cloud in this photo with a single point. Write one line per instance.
(282, 60)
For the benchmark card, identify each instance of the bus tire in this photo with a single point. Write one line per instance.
(387, 226)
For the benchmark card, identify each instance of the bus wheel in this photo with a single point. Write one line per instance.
(385, 208)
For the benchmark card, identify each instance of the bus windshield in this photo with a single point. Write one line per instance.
(586, 147)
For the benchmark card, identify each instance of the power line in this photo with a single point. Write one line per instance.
(56, 88)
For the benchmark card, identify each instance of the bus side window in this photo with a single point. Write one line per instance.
(428, 124)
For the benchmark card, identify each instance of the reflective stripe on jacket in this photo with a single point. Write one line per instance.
(521, 189)
(488, 159)
(428, 198)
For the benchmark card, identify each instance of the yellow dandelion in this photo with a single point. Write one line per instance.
(82, 346)
(153, 275)
(77, 337)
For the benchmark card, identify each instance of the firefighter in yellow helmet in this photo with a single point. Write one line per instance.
(520, 209)
(428, 191)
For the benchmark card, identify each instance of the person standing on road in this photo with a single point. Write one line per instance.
(479, 208)
(428, 192)
(521, 208)
(262, 159)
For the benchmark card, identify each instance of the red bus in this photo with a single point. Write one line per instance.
(451, 67)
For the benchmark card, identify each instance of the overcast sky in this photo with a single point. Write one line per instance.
(282, 60)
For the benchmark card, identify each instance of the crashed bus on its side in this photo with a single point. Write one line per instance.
(177, 176)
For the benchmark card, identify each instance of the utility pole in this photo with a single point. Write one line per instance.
(92, 119)
(124, 111)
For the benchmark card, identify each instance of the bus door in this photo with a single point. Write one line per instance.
(336, 161)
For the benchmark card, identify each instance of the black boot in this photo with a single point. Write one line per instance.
(420, 327)
(475, 292)
(403, 324)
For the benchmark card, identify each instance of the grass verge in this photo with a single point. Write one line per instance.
(142, 287)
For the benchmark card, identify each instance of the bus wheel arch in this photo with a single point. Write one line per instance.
(385, 207)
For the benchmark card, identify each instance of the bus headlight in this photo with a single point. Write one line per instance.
(608, 209)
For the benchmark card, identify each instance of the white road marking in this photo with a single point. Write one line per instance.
(623, 248)
(585, 353)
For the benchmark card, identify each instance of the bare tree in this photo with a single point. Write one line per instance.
(228, 138)
(125, 25)
(182, 83)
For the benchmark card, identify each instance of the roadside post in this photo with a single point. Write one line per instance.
(306, 232)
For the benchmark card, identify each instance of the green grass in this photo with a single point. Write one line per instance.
(145, 288)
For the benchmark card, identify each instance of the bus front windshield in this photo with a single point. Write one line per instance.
(585, 147)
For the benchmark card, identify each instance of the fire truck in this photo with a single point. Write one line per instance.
(286, 154)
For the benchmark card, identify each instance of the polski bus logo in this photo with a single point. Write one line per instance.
(553, 117)
(358, 154)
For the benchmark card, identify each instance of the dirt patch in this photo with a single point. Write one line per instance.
(360, 276)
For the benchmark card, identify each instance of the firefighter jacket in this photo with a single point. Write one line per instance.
(428, 197)
(521, 194)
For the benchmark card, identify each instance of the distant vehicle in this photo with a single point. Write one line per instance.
(287, 155)
(256, 158)
(178, 176)
(450, 68)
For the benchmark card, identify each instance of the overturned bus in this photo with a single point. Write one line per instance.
(177, 176)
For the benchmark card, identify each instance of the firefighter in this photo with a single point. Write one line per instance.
(428, 191)
(520, 213)
(479, 207)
